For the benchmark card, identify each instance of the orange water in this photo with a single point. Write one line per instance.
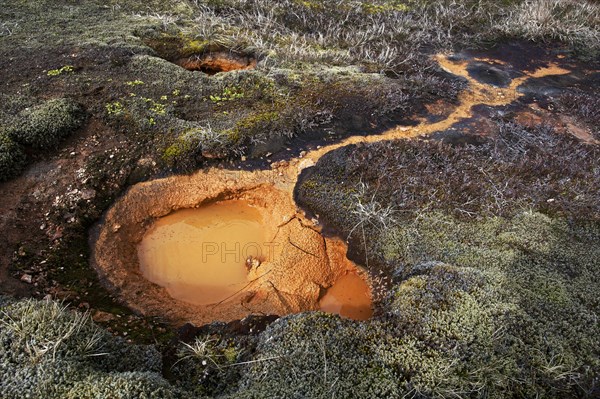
(348, 297)
(199, 255)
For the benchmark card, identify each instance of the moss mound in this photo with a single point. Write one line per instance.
(45, 125)
(47, 351)
(12, 158)
(487, 306)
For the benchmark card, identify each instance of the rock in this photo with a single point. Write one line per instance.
(145, 162)
(489, 74)
(103, 317)
(252, 263)
(88, 194)
(27, 278)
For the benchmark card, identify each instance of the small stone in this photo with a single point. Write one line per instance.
(88, 194)
(306, 163)
(145, 162)
(252, 263)
(103, 317)
(116, 227)
(27, 278)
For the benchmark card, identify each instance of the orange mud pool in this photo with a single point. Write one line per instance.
(203, 256)
(349, 297)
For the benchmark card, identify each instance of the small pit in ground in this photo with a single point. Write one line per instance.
(217, 61)
(206, 248)
(193, 55)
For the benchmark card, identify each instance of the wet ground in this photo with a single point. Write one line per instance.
(500, 81)
(494, 85)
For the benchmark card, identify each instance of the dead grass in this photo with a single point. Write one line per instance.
(383, 35)
(522, 168)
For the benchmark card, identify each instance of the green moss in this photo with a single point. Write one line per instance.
(193, 46)
(231, 354)
(228, 94)
(47, 351)
(477, 302)
(485, 316)
(207, 366)
(44, 126)
(136, 82)
(131, 385)
(318, 355)
(254, 125)
(115, 108)
(60, 71)
(183, 146)
(12, 158)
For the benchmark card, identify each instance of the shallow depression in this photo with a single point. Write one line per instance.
(200, 255)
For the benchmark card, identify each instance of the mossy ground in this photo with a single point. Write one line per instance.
(496, 289)
(490, 267)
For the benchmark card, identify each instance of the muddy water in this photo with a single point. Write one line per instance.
(348, 297)
(199, 255)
